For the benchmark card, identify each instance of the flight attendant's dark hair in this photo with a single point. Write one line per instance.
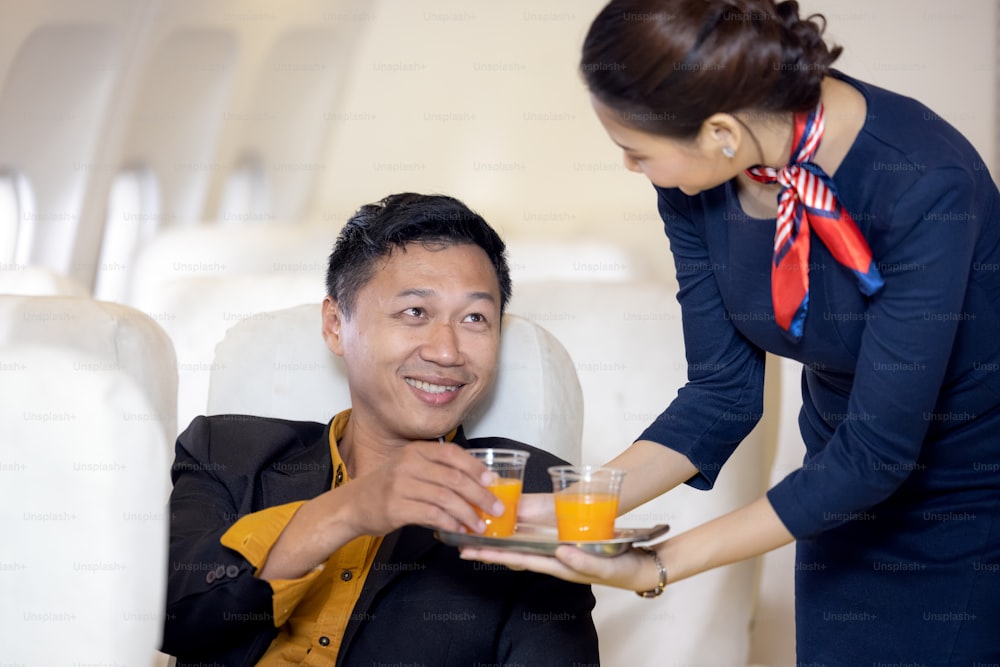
(667, 65)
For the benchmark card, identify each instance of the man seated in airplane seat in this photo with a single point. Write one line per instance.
(304, 543)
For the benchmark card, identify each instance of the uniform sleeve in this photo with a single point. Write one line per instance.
(910, 329)
(723, 398)
(253, 536)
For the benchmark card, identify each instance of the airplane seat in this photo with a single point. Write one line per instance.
(277, 364)
(537, 260)
(626, 342)
(32, 280)
(132, 342)
(87, 401)
(197, 282)
(217, 251)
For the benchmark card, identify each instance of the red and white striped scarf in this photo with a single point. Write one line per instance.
(808, 202)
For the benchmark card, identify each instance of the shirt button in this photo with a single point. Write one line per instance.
(346, 575)
(324, 641)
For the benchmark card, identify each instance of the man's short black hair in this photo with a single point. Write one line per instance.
(376, 230)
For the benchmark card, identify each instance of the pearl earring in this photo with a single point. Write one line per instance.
(728, 152)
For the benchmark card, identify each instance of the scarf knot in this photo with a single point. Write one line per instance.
(808, 203)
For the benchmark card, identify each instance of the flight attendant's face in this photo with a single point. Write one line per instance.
(691, 166)
(422, 342)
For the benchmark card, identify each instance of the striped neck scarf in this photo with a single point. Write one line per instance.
(808, 203)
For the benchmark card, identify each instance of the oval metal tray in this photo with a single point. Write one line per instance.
(539, 539)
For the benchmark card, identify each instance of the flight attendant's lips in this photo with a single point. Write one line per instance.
(440, 392)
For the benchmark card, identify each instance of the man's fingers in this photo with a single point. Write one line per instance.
(433, 484)
(453, 456)
(438, 506)
(452, 468)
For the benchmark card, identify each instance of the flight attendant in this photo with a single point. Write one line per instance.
(823, 219)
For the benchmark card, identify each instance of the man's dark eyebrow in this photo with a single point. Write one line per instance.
(475, 296)
(415, 291)
(424, 292)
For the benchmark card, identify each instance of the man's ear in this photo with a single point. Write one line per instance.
(333, 320)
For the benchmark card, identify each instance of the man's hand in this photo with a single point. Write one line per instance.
(431, 484)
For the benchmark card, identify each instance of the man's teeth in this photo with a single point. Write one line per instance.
(430, 388)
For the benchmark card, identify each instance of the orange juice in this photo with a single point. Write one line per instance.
(586, 516)
(509, 492)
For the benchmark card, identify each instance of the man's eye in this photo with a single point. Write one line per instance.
(475, 317)
(414, 312)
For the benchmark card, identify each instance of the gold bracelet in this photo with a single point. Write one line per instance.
(662, 583)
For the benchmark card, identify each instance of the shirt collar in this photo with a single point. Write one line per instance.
(337, 428)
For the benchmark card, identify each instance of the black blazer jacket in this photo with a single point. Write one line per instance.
(420, 603)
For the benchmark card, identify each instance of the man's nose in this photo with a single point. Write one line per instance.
(442, 346)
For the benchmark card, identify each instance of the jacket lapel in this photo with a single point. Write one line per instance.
(303, 474)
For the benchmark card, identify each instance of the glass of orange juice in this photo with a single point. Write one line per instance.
(508, 467)
(586, 500)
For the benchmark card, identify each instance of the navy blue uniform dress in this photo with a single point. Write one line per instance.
(896, 508)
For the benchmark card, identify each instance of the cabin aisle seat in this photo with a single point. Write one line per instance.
(38, 281)
(196, 313)
(534, 260)
(207, 250)
(198, 282)
(626, 342)
(277, 364)
(88, 406)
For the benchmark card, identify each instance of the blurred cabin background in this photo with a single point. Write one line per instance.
(188, 164)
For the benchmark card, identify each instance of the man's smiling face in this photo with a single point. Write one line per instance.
(422, 341)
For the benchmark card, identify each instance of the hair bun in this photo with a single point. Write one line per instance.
(666, 65)
(805, 55)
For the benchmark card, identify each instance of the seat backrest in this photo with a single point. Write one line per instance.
(125, 339)
(87, 405)
(197, 282)
(277, 364)
(38, 281)
(196, 312)
(228, 252)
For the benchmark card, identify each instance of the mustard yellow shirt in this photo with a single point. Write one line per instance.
(311, 612)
